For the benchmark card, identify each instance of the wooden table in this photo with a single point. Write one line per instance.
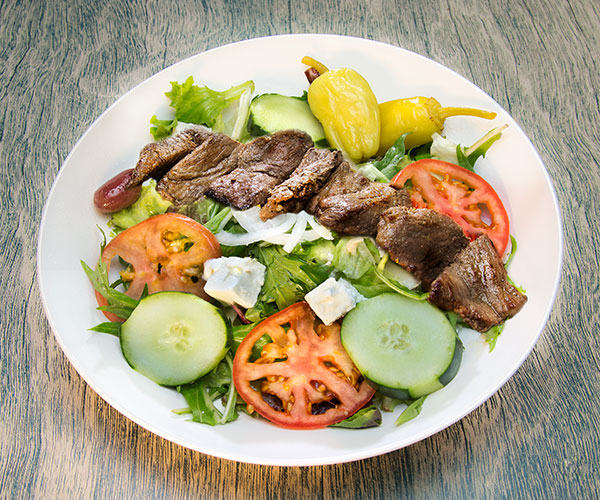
(63, 63)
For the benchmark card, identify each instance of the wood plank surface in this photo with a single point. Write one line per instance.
(62, 63)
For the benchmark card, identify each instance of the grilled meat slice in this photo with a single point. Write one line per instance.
(262, 164)
(157, 157)
(421, 240)
(476, 287)
(188, 179)
(310, 176)
(349, 203)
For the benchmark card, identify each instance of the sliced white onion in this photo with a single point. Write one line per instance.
(322, 231)
(311, 235)
(296, 234)
(232, 239)
(250, 219)
(275, 230)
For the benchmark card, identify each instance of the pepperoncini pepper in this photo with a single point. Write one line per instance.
(420, 117)
(344, 103)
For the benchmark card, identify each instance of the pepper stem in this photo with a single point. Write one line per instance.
(454, 111)
(313, 63)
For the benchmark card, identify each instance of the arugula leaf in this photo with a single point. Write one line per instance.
(286, 280)
(411, 411)
(201, 395)
(394, 159)
(513, 250)
(201, 105)
(468, 158)
(116, 299)
(362, 419)
(463, 161)
(481, 147)
(239, 334)
(162, 128)
(110, 327)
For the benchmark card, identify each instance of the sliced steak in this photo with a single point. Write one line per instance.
(476, 287)
(421, 240)
(349, 203)
(262, 164)
(157, 157)
(188, 179)
(310, 176)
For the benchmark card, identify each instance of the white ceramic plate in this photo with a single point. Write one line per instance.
(68, 233)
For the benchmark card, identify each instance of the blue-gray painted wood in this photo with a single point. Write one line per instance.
(63, 62)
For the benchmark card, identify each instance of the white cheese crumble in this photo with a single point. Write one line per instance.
(332, 299)
(234, 280)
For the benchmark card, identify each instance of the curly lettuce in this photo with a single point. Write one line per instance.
(223, 111)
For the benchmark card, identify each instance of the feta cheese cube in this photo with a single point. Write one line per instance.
(332, 299)
(234, 280)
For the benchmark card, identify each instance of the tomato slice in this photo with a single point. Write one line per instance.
(165, 252)
(303, 379)
(460, 194)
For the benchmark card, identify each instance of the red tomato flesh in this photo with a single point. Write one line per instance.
(303, 379)
(165, 252)
(459, 193)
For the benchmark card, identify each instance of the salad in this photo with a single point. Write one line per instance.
(283, 317)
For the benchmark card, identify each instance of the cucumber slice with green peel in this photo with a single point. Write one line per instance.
(405, 347)
(174, 338)
(273, 112)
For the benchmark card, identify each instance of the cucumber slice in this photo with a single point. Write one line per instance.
(173, 338)
(273, 112)
(405, 347)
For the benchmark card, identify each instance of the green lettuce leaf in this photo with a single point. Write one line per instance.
(162, 128)
(201, 105)
(358, 259)
(148, 204)
(353, 257)
(208, 212)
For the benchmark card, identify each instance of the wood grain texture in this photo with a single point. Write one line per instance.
(64, 62)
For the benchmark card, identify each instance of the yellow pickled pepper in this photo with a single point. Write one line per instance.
(420, 117)
(344, 103)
